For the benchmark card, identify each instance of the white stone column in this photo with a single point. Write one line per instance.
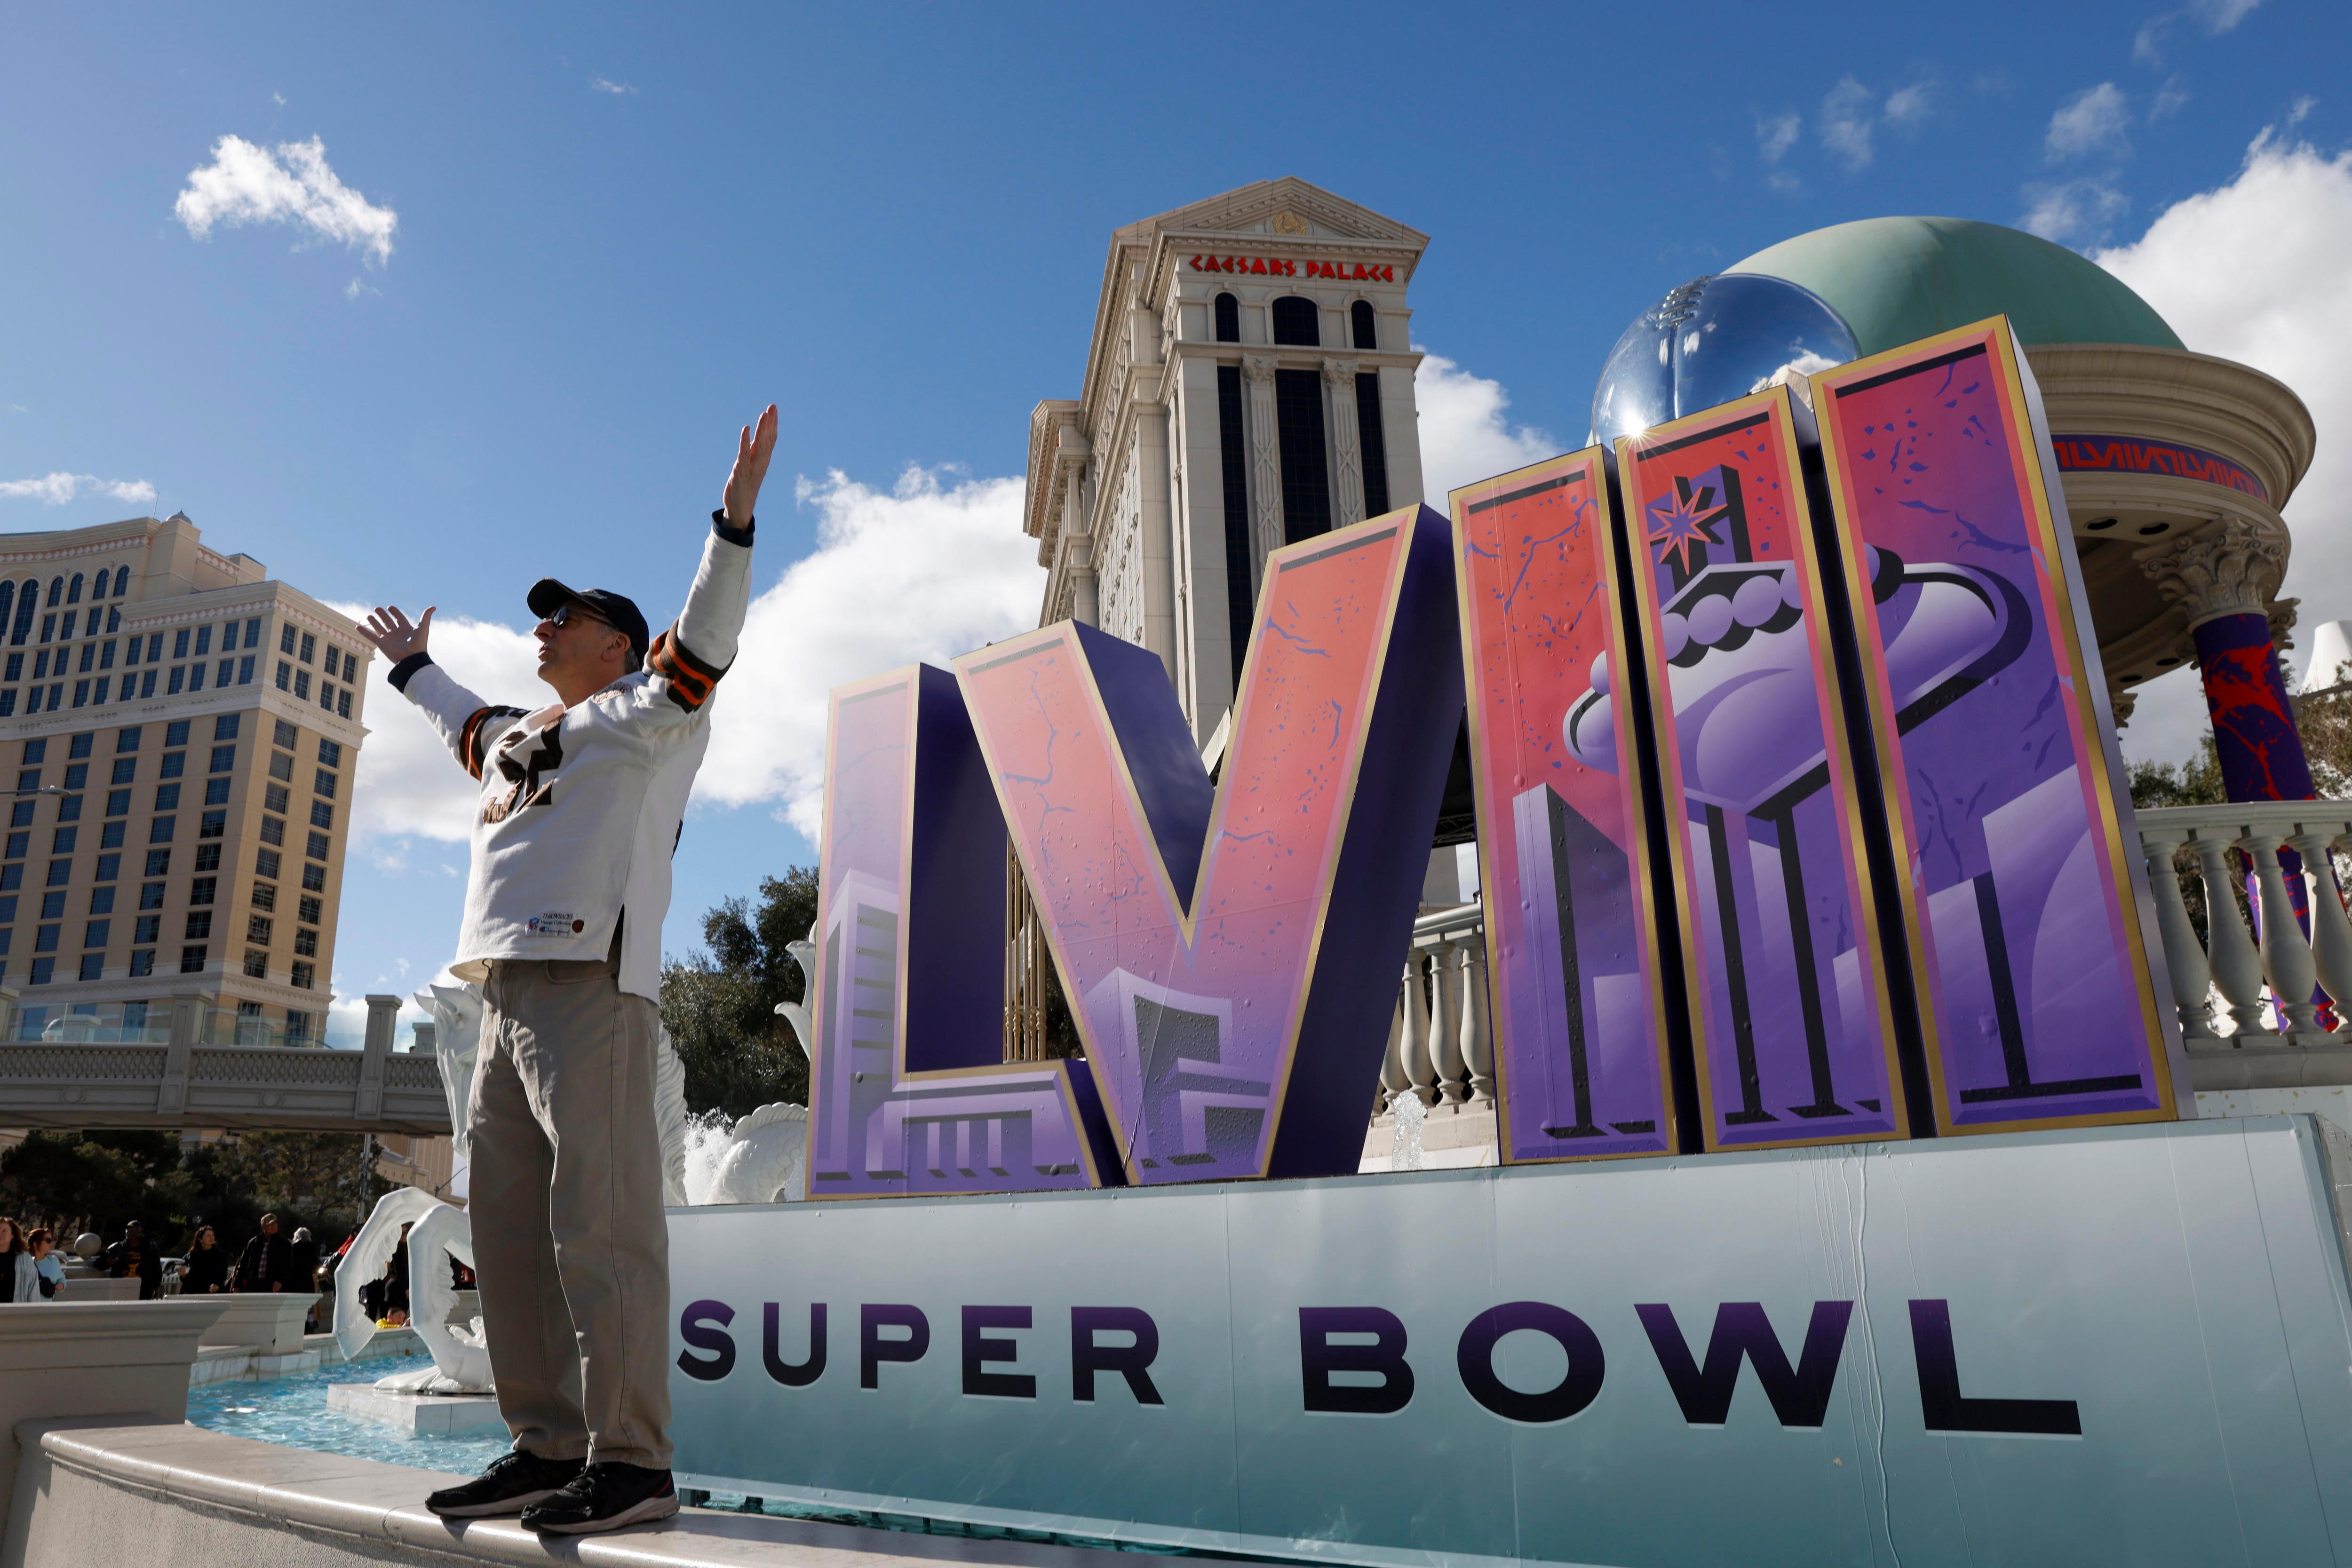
(1265, 459)
(1155, 522)
(1347, 444)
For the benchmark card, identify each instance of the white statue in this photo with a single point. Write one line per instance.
(763, 1159)
(461, 1359)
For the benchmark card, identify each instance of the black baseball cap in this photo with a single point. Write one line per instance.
(548, 595)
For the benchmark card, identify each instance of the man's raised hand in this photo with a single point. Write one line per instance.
(394, 635)
(754, 447)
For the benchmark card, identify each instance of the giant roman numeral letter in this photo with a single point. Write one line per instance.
(1231, 950)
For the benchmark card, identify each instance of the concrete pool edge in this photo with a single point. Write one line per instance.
(170, 1492)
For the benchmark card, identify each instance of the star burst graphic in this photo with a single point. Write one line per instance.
(1676, 527)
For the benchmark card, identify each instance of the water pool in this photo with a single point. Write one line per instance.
(292, 1413)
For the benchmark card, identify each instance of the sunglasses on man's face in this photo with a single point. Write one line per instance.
(565, 615)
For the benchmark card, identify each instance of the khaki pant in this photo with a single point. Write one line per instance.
(571, 1249)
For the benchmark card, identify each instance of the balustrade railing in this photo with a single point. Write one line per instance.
(2255, 939)
(1441, 1048)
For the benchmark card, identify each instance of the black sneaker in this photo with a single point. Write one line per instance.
(605, 1495)
(514, 1481)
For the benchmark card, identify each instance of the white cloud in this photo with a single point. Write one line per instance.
(354, 289)
(618, 89)
(1907, 108)
(1465, 435)
(56, 489)
(1774, 137)
(1846, 118)
(292, 185)
(2170, 99)
(2094, 121)
(2253, 271)
(2071, 211)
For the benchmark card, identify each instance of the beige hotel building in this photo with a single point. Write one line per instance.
(184, 734)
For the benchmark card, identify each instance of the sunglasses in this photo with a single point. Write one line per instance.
(565, 615)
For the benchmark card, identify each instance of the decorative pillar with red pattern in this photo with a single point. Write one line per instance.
(2225, 580)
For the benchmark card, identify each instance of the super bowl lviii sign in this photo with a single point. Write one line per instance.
(1803, 850)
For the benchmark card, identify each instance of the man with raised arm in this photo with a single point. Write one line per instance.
(581, 803)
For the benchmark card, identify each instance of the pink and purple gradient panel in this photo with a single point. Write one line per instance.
(1192, 1035)
(899, 947)
(1573, 965)
(1794, 1036)
(2038, 1011)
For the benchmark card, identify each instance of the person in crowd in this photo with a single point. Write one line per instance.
(267, 1264)
(302, 1277)
(43, 1243)
(205, 1270)
(133, 1257)
(19, 1278)
(580, 804)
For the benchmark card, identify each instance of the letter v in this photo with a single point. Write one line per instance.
(1231, 951)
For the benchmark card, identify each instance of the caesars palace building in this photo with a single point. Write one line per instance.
(1249, 383)
(182, 733)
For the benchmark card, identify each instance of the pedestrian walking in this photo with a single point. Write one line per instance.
(20, 1278)
(205, 1270)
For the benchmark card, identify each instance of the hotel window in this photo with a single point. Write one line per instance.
(257, 929)
(73, 594)
(144, 961)
(155, 648)
(306, 942)
(1296, 322)
(110, 837)
(88, 657)
(212, 824)
(70, 808)
(245, 670)
(147, 928)
(331, 753)
(302, 973)
(61, 842)
(179, 680)
(323, 783)
(285, 677)
(309, 649)
(284, 734)
(41, 665)
(316, 848)
(101, 902)
(208, 857)
(1364, 326)
(146, 684)
(307, 910)
(106, 653)
(191, 960)
(176, 733)
(1306, 469)
(93, 965)
(53, 906)
(314, 879)
(256, 965)
(94, 932)
(297, 1024)
(121, 581)
(281, 766)
(1240, 550)
(180, 643)
(217, 791)
(49, 628)
(285, 638)
(343, 703)
(21, 814)
(227, 668)
(273, 830)
(110, 868)
(253, 633)
(82, 694)
(274, 798)
(27, 602)
(195, 678)
(1229, 319)
(167, 796)
(66, 627)
(204, 641)
(1373, 441)
(159, 863)
(264, 863)
(160, 831)
(302, 685)
(57, 591)
(16, 844)
(43, 970)
(200, 923)
(45, 938)
(15, 666)
(326, 697)
(264, 896)
(321, 814)
(224, 758)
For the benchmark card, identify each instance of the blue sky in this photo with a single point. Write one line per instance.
(616, 231)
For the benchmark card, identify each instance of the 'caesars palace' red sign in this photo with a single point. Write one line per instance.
(1268, 265)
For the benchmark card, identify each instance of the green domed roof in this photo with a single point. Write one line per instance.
(1898, 280)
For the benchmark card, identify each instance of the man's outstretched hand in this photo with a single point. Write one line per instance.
(393, 634)
(754, 447)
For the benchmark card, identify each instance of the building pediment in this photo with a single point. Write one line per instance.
(1288, 208)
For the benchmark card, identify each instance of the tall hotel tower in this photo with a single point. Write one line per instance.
(184, 734)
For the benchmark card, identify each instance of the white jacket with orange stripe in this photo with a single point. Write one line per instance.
(580, 808)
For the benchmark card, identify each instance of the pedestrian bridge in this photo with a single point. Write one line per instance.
(181, 1083)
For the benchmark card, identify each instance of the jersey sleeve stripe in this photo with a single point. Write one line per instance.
(690, 680)
(475, 737)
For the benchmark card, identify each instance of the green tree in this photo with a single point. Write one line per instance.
(719, 1003)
